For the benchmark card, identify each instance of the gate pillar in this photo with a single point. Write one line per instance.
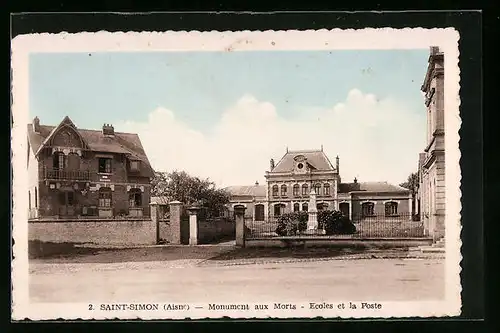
(239, 216)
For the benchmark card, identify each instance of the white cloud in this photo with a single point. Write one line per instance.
(376, 140)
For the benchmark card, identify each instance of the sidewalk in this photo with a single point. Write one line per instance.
(223, 254)
(347, 255)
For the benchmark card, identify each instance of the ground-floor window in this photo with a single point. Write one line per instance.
(279, 209)
(368, 209)
(105, 197)
(66, 198)
(322, 206)
(135, 198)
(296, 207)
(259, 212)
(391, 208)
(305, 207)
(344, 208)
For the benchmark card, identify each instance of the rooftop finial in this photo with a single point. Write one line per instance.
(287, 149)
(321, 147)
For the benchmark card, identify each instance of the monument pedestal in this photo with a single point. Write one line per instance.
(314, 232)
(312, 224)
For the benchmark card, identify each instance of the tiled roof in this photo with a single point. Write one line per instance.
(316, 158)
(253, 191)
(121, 143)
(370, 187)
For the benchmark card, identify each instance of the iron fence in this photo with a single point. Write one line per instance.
(358, 227)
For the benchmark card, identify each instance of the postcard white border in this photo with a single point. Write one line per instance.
(363, 39)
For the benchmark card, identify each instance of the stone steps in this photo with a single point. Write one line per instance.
(437, 247)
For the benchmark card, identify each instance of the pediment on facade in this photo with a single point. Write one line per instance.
(64, 135)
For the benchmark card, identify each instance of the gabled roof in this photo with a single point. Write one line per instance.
(121, 143)
(66, 122)
(382, 187)
(252, 191)
(317, 159)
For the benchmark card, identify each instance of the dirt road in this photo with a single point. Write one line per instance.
(193, 280)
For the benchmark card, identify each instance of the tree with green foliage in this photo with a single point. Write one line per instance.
(190, 190)
(411, 183)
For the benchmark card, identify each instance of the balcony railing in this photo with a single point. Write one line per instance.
(66, 174)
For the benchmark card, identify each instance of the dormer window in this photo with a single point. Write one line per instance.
(134, 165)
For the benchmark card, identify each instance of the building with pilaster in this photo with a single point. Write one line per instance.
(289, 183)
(431, 192)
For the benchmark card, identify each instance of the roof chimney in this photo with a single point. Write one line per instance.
(355, 180)
(337, 163)
(36, 125)
(434, 50)
(108, 129)
(271, 164)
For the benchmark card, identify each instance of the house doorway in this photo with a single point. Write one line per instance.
(67, 203)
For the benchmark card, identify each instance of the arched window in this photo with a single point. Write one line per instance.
(368, 209)
(105, 197)
(305, 189)
(326, 189)
(135, 198)
(275, 190)
(317, 189)
(305, 207)
(296, 207)
(296, 190)
(283, 190)
(391, 208)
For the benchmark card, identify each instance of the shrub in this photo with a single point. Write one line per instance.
(290, 223)
(335, 223)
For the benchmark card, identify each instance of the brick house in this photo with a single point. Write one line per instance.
(79, 172)
(431, 189)
(290, 181)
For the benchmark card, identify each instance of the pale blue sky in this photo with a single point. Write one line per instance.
(198, 87)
